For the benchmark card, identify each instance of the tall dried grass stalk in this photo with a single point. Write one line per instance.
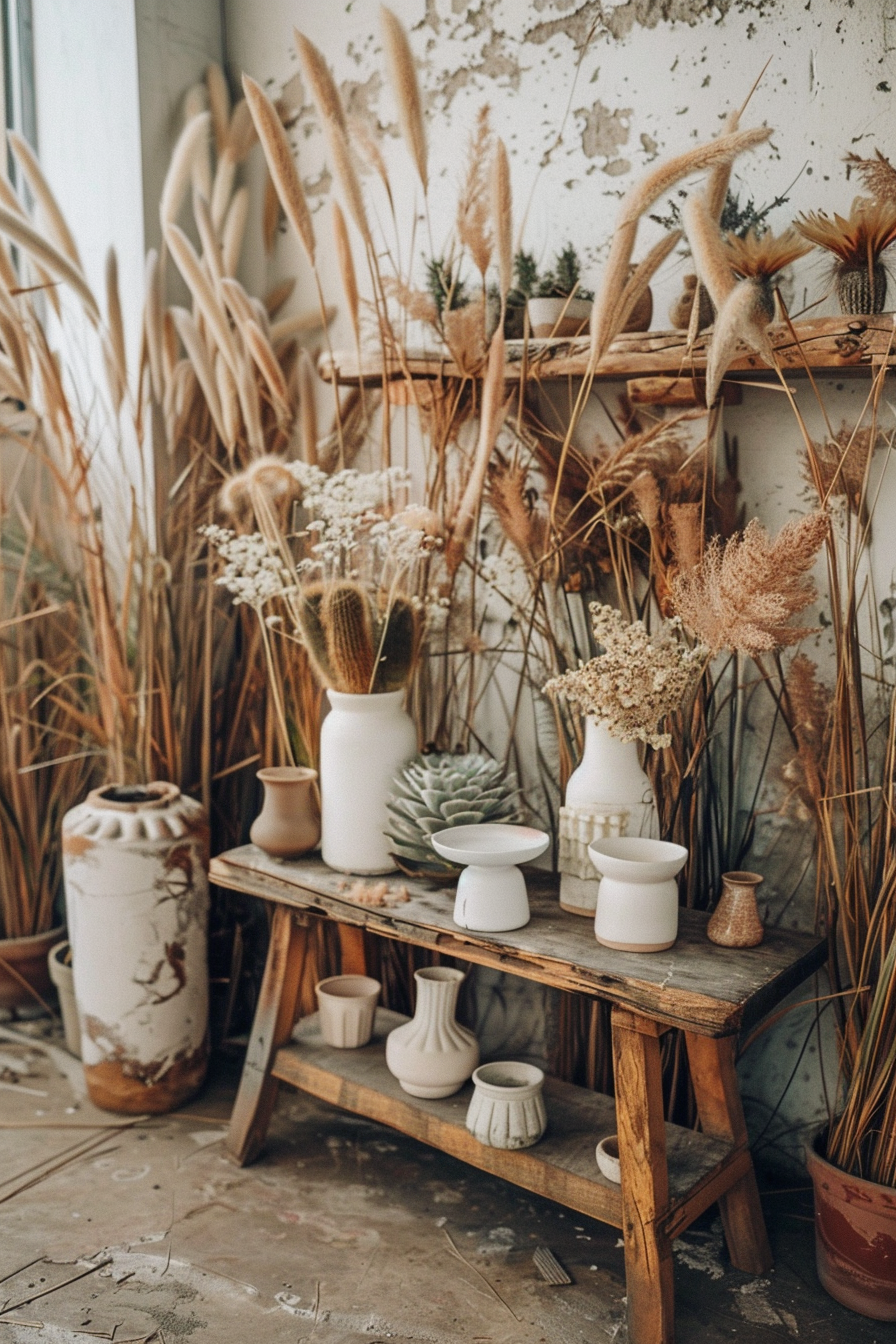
(474, 225)
(502, 214)
(218, 102)
(180, 169)
(320, 81)
(402, 70)
(281, 164)
(346, 268)
(47, 202)
(45, 254)
(490, 420)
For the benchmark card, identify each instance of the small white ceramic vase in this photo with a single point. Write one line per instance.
(433, 1055)
(637, 899)
(507, 1107)
(607, 1156)
(347, 1007)
(491, 890)
(364, 742)
(607, 794)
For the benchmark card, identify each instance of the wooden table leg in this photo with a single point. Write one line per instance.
(721, 1115)
(352, 951)
(645, 1178)
(274, 1019)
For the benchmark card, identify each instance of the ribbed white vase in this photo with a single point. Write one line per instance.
(432, 1055)
(607, 794)
(365, 741)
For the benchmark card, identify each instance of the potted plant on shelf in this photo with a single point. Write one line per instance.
(559, 306)
(857, 244)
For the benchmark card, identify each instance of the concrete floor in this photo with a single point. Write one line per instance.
(342, 1232)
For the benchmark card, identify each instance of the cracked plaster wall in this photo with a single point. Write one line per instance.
(581, 125)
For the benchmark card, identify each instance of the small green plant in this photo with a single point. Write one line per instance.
(445, 286)
(563, 278)
(736, 218)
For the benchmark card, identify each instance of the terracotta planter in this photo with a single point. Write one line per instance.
(736, 921)
(288, 824)
(23, 968)
(855, 1237)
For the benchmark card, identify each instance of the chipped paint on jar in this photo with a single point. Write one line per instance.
(135, 862)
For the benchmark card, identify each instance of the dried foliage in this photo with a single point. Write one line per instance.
(745, 592)
(762, 256)
(878, 175)
(859, 239)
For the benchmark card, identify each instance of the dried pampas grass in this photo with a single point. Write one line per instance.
(644, 194)
(281, 164)
(346, 268)
(473, 222)
(307, 408)
(745, 592)
(320, 81)
(219, 103)
(16, 227)
(44, 197)
(180, 169)
(502, 216)
(491, 418)
(403, 74)
(878, 175)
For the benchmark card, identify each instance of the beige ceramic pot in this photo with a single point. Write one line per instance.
(288, 824)
(735, 922)
(347, 1007)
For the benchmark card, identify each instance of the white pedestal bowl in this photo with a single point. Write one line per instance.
(637, 900)
(491, 891)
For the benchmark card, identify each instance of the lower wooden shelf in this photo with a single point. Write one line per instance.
(561, 1166)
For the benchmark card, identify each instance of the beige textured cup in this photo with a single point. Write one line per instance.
(347, 1005)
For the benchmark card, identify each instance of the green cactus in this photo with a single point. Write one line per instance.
(397, 645)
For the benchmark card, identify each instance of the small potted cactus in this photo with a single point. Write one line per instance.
(559, 306)
(857, 244)
(440, 790)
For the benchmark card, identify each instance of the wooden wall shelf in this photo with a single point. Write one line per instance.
(830, 345)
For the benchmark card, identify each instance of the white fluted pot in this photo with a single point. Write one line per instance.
(135, 864)
(507, 1108)
(365, 741)
(433, 1055)
(608, 794)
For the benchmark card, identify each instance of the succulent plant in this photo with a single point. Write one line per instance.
(440, 790)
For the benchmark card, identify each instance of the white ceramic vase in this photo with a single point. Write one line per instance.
(364, 742)
(433, 1055)
(507, 1108)
(637, 898)
(608, 794)
(135, 860)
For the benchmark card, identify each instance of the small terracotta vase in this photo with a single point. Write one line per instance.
(289, 822)
(735, 921)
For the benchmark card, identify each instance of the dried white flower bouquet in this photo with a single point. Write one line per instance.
(350, 569)
(638, 679)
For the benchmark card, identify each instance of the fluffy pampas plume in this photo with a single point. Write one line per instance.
(744, 593)
(281, 164)
(607, 307)
(403, 74)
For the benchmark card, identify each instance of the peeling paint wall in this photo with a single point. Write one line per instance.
(587, 96)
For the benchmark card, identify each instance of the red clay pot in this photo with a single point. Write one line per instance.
(23, 963)
(855, 1237)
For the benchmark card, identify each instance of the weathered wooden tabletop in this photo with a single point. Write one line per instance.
(712, 990)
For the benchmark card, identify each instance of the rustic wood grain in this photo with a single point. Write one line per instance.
(721, 1114)
(696, 985)
(561, 1166)
(838, 345)
(274, 1018)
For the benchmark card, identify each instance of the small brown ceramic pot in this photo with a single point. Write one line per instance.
(288, 824)
(24, 976)
(855, 1237)
(735, 921)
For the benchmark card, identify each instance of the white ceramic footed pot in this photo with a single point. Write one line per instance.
(607, 1156)
(553, 316)
(491, 890)
(347, 1007)
(507, 1107)
(433, 1055)
(637, 898)
(607, 794)
(135, 860)
(364, 742)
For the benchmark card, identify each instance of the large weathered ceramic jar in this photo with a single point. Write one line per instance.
(135, 862)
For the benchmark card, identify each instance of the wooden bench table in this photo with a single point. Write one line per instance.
(669, 1175)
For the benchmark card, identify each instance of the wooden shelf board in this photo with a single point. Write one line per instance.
(830, 345)
(695, 985)
(561, 1166)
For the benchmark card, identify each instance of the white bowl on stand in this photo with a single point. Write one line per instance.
(491, 890)
(637, 900)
